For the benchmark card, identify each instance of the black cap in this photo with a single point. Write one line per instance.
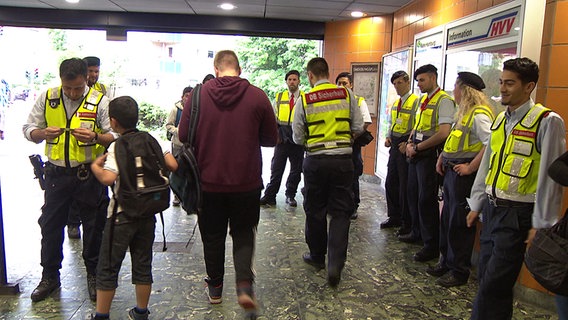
(92, 61)
(472, 80)
(427, 68)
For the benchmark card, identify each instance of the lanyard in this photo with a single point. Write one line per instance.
(428, 98)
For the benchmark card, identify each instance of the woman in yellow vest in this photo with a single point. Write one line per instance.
(458, 165)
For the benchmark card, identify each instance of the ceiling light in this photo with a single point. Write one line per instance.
(227, 6)
(72, 1)
(357, 14)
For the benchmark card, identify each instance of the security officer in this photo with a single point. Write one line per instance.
(93, 68)
(345, 79)
(432, 126)
(402, 120)
(325, 122)
(286, 149)
(458, 164)
(513, 188)
(73, 120)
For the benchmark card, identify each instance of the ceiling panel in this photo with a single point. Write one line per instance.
(310, 10)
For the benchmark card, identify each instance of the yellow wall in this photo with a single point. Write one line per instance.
(367, 39)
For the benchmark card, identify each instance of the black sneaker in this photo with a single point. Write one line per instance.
(73, 232)
(133, 315)
(45, 288)
(449, 280)
(290, 201)
(267, 201)
(92, 286)
(309, 259)
(214, 293)
(437, 270)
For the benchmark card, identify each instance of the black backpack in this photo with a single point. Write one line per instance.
(144, 184)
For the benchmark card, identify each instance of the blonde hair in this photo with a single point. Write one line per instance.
(225, 59)
(470, 98)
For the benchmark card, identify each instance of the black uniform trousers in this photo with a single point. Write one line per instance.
(64, 190)
(423, 199)
(396, 185)
(503, 234)
(283, 152)
(327, 191)
(456, 239)
(357, 158)
(240, 212)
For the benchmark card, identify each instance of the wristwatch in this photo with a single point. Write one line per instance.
(416, 147)
(95, 138)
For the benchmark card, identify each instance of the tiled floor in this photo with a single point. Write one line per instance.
(380, 281)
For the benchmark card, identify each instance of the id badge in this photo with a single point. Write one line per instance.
(87, 125)
(398, 121)
(419, 136)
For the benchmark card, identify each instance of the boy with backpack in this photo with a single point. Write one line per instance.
(135, 165)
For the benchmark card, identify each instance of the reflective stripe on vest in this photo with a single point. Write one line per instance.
(65, 147)
(514, 165)
(283, 114)
(328, 118)
(427, 122)
(403, 120)
(457, 144)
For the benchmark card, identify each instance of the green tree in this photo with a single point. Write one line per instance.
(265, 61)
(58, 39)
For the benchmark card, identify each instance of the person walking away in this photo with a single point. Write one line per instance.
(326, 122)
(230, 166)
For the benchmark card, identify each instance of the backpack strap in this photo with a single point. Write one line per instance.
(195, 101)
(178, 116)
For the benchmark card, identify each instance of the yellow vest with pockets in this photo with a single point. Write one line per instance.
(65, 146)
(403, 120)
(515, 160)
(458, 142)
(427, 120)
(283, 114)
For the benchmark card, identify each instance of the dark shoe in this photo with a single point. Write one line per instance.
(92, 286)
(73, 232)
(214, 293)
(291, 202)
(320, 264)
(354, 215)
(389, 223)
(425, 255)
(403, 230)
(437, 270)
(133, 315)
(45, 288)
(333, 277)
(266, 201)
(247, 300)
(449, 280)
(408, 238)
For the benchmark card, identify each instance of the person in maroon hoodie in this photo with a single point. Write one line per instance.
(235, 120)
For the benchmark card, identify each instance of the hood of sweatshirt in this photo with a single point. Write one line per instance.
(226, 91)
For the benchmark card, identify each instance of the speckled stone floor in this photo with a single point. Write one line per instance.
(380, 280)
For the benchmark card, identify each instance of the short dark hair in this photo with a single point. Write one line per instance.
(186, 90)
(72, 68)
(427, 68)
(125, 110)
(344, 75)
(92, 61)
(318, 66)
(524, 67)
(399, 74)
(207, 78)
(296, 72)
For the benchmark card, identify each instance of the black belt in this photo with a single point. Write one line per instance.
(497, 202)
(330, 156)
(82, 171)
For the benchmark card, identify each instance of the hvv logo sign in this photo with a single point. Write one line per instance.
(502, 25)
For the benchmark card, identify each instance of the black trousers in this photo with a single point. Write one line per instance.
(240, 212)
(357, 172)
(396, 185)
(327, 186)
(63, 191)
(282, 153)
(501, 256)
(423, 200)
(456, 239)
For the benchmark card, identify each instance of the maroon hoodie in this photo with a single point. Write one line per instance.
(235, 120)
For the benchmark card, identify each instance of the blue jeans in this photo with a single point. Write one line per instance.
(562, 307)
